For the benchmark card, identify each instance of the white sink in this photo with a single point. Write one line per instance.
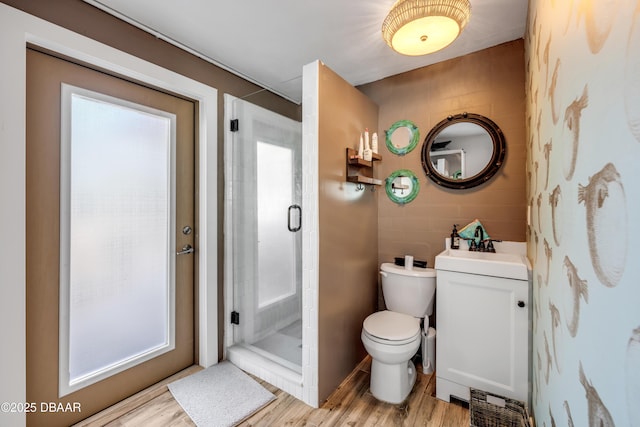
(502, 264)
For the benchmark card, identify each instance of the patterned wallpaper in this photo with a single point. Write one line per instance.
(583, 118)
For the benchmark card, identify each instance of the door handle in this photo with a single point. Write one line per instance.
(299, 209)
(186, 249)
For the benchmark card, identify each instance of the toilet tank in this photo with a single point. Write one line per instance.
(408, 291)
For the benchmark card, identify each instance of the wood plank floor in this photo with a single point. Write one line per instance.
(350, 405)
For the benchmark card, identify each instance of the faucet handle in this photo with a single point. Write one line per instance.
(472, 245)
(490, 247)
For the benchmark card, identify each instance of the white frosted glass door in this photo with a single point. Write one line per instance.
(276, 244)
(117, 216)
(110, 191)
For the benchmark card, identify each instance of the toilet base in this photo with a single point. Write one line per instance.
(392, 383)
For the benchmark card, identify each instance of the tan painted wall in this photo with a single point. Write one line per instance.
(87, 20)
(489, 82)
(348, 232)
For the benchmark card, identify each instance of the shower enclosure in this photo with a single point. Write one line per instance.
(263, 217)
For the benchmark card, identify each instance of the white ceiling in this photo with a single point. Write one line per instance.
(268, 42)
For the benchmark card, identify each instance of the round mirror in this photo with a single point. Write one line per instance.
(463, 151)
(402, 186)
(402, 137)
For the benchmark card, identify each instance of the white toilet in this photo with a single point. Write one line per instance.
(393, 336)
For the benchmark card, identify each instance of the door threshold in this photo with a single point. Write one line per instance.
(133, 402)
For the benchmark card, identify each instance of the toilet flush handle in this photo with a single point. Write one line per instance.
(383, 274)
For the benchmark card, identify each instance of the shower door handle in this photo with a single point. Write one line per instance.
(299, 209)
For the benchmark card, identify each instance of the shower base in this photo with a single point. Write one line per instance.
(283, 346)
(276, 358)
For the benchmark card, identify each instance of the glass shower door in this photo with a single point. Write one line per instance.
(276, 245)
(266, 239)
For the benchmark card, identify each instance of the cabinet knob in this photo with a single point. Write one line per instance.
(521, 304)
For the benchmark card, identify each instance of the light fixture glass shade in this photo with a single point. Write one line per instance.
(419, 27)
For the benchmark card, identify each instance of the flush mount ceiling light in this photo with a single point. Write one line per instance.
(419, 27)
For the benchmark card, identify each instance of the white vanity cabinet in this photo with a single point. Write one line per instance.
(483, 335)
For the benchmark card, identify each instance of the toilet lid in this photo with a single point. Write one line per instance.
(392, 326)
(389, 267)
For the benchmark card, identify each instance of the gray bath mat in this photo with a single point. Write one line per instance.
(219, 396)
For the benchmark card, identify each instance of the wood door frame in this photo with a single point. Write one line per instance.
(17, 30)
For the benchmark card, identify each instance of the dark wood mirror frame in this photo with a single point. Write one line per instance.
(494, 164)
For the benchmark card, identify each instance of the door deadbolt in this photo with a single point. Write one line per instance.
(186, 230)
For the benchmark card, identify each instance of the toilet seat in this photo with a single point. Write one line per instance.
(391, 328)
(391, 342)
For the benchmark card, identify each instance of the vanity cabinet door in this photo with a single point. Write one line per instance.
(482, 335)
